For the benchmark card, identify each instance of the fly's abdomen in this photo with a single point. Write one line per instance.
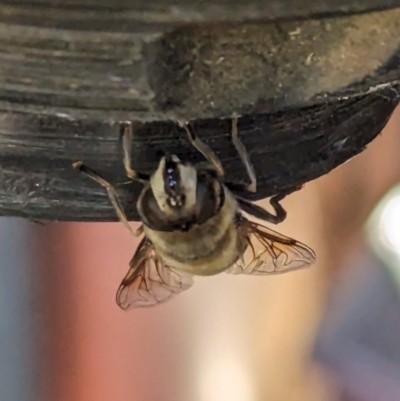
(205, 256)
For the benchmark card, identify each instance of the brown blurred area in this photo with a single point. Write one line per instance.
(229, 337)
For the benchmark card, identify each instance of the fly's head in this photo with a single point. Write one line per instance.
(179, 195)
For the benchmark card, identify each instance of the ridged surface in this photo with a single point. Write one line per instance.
(312, 94)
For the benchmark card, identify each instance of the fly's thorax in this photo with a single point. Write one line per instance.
(179, 196)
(204, 249)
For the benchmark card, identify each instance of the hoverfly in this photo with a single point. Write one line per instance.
(193, 225)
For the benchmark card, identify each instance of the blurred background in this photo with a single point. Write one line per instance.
(328, 333)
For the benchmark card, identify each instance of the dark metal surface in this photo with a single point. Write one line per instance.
(312, 93)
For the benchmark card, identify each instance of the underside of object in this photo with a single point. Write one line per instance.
(312, 81)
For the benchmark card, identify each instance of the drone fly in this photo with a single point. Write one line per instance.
(193, 225)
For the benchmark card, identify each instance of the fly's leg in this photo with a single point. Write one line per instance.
(127, 137)
(260, 213)
(279, 210)
(244, 156)
(205, 150)
(112, 194)
(251, 208)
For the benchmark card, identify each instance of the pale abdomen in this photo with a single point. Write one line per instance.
(205, 249)
(205, 257)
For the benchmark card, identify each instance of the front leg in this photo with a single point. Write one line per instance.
(244, 156)
(112, 194)
(205, 150)
(127, 138)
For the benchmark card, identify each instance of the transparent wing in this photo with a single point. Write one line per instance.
(149, 282)
(269, 252)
